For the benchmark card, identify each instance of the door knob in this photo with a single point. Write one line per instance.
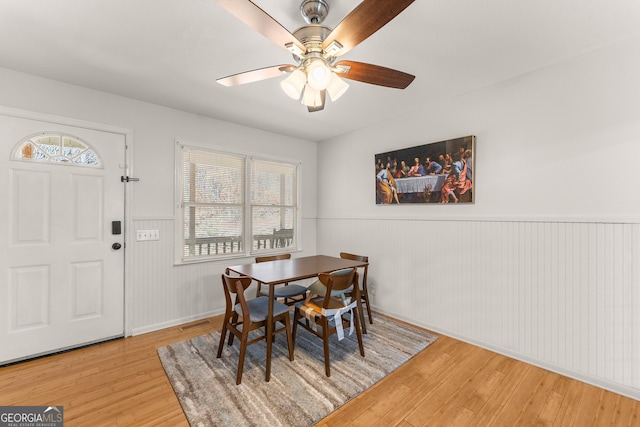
(116, 246)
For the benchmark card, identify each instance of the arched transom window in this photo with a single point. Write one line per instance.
(57, 148)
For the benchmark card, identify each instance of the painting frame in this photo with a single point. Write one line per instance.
(440, 172)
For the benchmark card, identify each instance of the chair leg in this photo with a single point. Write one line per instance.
(223, 335)
(362, 321)
(296, 317)
(325, 342)
(234, 321)
(269, 326)
(356, 319)
(287, 326)
(243, 350)
(365, 294)
(361, 314)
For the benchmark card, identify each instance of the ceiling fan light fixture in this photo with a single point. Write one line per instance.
(311, 97)
(294, 84)
(315, 48)
(337, 87)
(318, 75)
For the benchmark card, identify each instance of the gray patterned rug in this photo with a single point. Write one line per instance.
(299, 393)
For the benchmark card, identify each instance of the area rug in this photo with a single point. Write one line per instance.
(299, 393)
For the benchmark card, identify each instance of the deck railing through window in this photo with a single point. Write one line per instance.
(234, 244)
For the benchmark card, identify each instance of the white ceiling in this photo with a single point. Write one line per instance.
(170, 52)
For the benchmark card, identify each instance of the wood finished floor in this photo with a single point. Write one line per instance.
(451, 383)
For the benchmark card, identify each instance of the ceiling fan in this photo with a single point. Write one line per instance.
(315, 49)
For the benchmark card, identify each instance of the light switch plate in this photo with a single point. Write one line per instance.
(142, 235)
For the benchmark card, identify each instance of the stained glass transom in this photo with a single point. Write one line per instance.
(57, 148)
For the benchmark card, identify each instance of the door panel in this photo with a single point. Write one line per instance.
(29, 297)
(87, 285)
(32, 209)
(64, 283)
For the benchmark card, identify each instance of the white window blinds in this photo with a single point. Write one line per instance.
(217, 214)
(213, 203)
(273, 204)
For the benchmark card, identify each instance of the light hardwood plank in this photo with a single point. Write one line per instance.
(451, 383)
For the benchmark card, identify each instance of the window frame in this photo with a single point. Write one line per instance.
(247, 244)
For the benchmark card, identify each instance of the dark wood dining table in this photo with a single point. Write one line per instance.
(274, 273)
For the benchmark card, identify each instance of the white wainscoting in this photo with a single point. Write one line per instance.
(561, 295)
(163, 294)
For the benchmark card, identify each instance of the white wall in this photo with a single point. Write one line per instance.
(159, 293)
(545, 265)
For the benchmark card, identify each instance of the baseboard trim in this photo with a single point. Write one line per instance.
(175, 322)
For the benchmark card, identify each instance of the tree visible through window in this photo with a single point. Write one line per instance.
(217, 214)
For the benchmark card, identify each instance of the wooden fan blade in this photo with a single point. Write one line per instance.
(374, 74)
(323, 95)
(247, 12)
(255, 75)
(367, 18)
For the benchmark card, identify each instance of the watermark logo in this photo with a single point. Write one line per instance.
(31, 416)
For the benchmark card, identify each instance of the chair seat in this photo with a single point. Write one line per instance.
(259, 307)
(315, 306)
(289, 291)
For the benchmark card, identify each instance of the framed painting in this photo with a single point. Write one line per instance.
(438, 172)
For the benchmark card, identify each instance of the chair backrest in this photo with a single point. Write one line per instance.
(236, 285)
(273, 257)
(362, 277)
(336, 281)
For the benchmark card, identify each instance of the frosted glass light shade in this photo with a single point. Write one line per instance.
(318, 75)
(337, 87)
(294, 84)
(311, 97)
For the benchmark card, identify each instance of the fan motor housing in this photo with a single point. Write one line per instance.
(312, 34)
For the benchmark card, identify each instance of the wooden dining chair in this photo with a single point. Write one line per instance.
(329, 315)
(289, 293)
(364, 293)
(243, 316)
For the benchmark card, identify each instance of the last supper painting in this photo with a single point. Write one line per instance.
(437, 172)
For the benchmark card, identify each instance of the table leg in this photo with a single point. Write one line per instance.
(269, 331)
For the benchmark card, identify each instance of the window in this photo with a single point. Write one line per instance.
(273, 210)
(235, 204)
(57, 149)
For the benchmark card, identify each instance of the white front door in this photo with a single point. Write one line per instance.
(61, 280)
